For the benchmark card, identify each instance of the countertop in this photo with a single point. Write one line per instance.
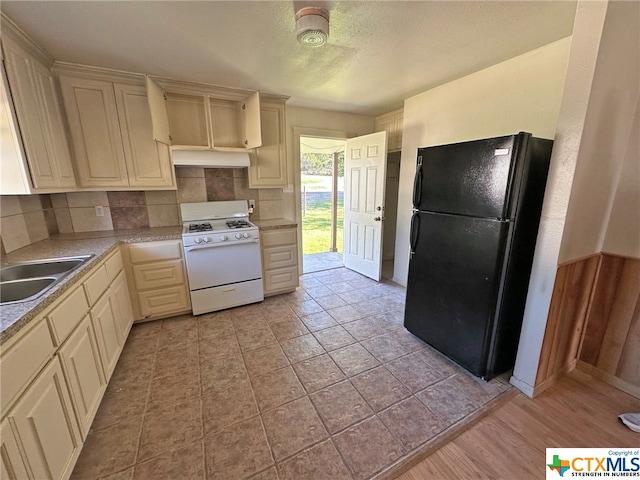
(275, 224)
(14, 316)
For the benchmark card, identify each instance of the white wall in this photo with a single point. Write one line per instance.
(612, 104)
(587, 31)
(520, 94)
(623, 232)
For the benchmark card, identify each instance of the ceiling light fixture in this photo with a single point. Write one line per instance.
(312, 26)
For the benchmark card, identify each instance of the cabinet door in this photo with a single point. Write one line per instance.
(14, 175)
(251, 127)
(164, 301)
(121, 303)
(269, 164)
(20, 70)
(12, 466)
(105, 323)
(160, 274)
(398, 121)
(148, 162)
(158, 110)
(280, 280)
(95, 132)
(53, 121)
(44, 421)
(83, 369)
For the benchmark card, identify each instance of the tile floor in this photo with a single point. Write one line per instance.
(320, 383)
(315, 262)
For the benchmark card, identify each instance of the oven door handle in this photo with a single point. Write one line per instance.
(215, 245)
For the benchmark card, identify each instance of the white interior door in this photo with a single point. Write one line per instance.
(365, 163)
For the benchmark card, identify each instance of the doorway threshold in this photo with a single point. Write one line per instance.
(316, 262)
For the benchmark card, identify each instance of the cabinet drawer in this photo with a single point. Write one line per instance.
(154, 251)
(281, 279)
(155, 275)
(96, 284)
(274, 238)
(22, 361)
(68, 314)
(278, 257)
(163, 301)
(113, 265)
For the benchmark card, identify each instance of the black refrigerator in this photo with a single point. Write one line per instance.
(477, 207)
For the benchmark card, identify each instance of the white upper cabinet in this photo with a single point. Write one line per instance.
(95, 132)
(112, 133)
(40, 120)
(391, 122)
(196, 116)
(148, 162)
(269, 163)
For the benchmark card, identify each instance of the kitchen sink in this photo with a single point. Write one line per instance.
(23, 290)
(20, 282)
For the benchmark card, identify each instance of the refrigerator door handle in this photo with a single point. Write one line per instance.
(413, 235)
(417, 184)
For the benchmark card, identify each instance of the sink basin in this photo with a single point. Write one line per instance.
(20, 282)
(38, 269)
(23, 290)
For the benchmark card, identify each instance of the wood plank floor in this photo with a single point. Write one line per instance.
(578, 411)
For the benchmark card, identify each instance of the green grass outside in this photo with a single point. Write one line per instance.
(316, 228)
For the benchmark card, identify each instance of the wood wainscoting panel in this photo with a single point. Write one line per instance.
(612, 334)
(603, 299)
(568, 311)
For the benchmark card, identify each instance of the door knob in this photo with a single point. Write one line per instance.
(377, 219)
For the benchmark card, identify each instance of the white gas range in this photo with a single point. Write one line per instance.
(222, 254)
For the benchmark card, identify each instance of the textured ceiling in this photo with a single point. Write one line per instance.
(379, 52)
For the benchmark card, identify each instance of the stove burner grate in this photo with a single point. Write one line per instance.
(237, 224)
(200, 227)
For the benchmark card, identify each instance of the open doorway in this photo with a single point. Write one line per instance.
(321, 202)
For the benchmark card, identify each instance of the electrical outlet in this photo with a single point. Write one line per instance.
(252, 204)
(99, 211)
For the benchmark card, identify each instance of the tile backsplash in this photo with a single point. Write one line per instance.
(26, 219)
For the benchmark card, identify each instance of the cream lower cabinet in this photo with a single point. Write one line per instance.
(121, 305)
(54, 374)
(156, 270)
(44, 421)
(12, 465)
(104, 317)
(82, 363)
(279, 260)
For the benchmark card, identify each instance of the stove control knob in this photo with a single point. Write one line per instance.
(245, 235)
(198, 240)
(238, 236)
(207, 239)
(224, 238)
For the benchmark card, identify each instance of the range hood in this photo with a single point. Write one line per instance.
(210, 158)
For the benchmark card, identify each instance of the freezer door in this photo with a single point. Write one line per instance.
(454, 278)
(471, 178)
